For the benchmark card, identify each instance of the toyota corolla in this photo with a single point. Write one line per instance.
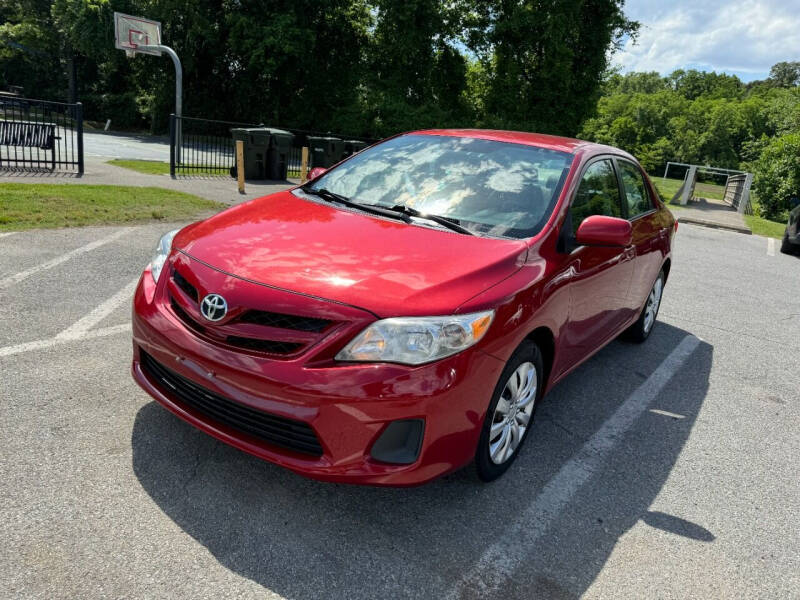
(401, 315)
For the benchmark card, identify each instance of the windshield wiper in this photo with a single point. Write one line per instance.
(330, 196)
(449, 223)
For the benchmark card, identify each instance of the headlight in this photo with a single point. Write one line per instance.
(417, 340)
(162, 252)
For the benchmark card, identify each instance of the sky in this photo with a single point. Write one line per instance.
(738, 37)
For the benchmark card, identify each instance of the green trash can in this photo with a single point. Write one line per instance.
(353, 146)
(280, 146)
(325, 151)
(256, 146)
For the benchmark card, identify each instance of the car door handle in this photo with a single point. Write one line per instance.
(630, 253)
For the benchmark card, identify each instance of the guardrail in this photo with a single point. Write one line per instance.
(737, 193)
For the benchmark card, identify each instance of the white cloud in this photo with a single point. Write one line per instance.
(741, 37)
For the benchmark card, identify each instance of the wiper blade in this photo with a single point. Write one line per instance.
(330, 196)
(449, 223)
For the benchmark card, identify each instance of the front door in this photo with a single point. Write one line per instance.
(601, 276)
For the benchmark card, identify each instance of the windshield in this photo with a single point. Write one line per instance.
(489, 187)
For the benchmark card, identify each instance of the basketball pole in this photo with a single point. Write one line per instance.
(178, 94)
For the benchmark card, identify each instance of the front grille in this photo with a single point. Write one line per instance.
(279, 431)
(254, 338)
(183, 316)
(187, 287)
(271, 346)
(282, 321)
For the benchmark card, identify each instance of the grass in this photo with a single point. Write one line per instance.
(148, 167)
(39, 205)
(765, 227)
(156, 167)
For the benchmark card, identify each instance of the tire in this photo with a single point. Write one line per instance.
(786, 247)
(491, 459)
(640, 330)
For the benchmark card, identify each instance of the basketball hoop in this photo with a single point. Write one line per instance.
(137, 35)
(134, 34)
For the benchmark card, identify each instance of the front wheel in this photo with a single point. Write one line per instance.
(640, 330)
(510, 415)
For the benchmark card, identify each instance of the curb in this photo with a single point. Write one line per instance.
(714, 225)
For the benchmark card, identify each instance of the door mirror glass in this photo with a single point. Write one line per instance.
(599, 230)
(316, 172)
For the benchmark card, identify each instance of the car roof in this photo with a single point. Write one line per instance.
(541, 140)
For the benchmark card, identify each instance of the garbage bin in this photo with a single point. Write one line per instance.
(256, 145)
(280, 146)
(353, 146)
(325, 151)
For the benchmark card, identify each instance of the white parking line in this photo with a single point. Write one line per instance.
(17, 277)
(42, 344)
(7, 233)
(499, 561)
(770, 246)
(79, 329)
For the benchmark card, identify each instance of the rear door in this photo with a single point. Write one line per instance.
(640, 209)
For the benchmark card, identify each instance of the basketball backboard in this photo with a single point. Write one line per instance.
(132, 32)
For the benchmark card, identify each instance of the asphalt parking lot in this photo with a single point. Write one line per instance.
(666, 470)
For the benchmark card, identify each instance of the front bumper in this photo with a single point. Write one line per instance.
(347, 405)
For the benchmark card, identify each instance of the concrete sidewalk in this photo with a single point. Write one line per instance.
(711, 213)
(99, 172)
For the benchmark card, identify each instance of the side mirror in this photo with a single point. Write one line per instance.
(316, 172)
(599, 230)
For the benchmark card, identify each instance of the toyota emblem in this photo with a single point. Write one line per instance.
(213, 307)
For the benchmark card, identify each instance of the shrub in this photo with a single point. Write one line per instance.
(777, 174)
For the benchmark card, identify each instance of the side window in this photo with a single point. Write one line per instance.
(598, 194)
(635, 190)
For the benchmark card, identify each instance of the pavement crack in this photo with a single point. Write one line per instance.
(198, 462)
(564, 428)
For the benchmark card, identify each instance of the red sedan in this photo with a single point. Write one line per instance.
(402, 314)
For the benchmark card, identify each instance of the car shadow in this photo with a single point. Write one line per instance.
(304, 539)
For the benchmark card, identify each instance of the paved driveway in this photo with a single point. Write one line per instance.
(663, 470)
(121, 145)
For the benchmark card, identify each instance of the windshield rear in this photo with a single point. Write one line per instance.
(493, 188)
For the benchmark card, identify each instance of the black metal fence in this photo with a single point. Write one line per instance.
(205, 147)
(37, 135)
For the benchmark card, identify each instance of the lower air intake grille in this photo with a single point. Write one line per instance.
(279, 431)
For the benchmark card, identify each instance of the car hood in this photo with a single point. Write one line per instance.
(385, 266)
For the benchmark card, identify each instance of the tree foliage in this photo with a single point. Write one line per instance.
(693, 117)
(371, 67)
(777, 174)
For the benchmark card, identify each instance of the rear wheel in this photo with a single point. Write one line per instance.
(510, 415)
(639, 331)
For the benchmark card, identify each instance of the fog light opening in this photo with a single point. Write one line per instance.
(400, 443)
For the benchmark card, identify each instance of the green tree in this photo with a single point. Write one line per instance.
(777, 174)
(544, 60)
(30, 49)
(785, 74)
